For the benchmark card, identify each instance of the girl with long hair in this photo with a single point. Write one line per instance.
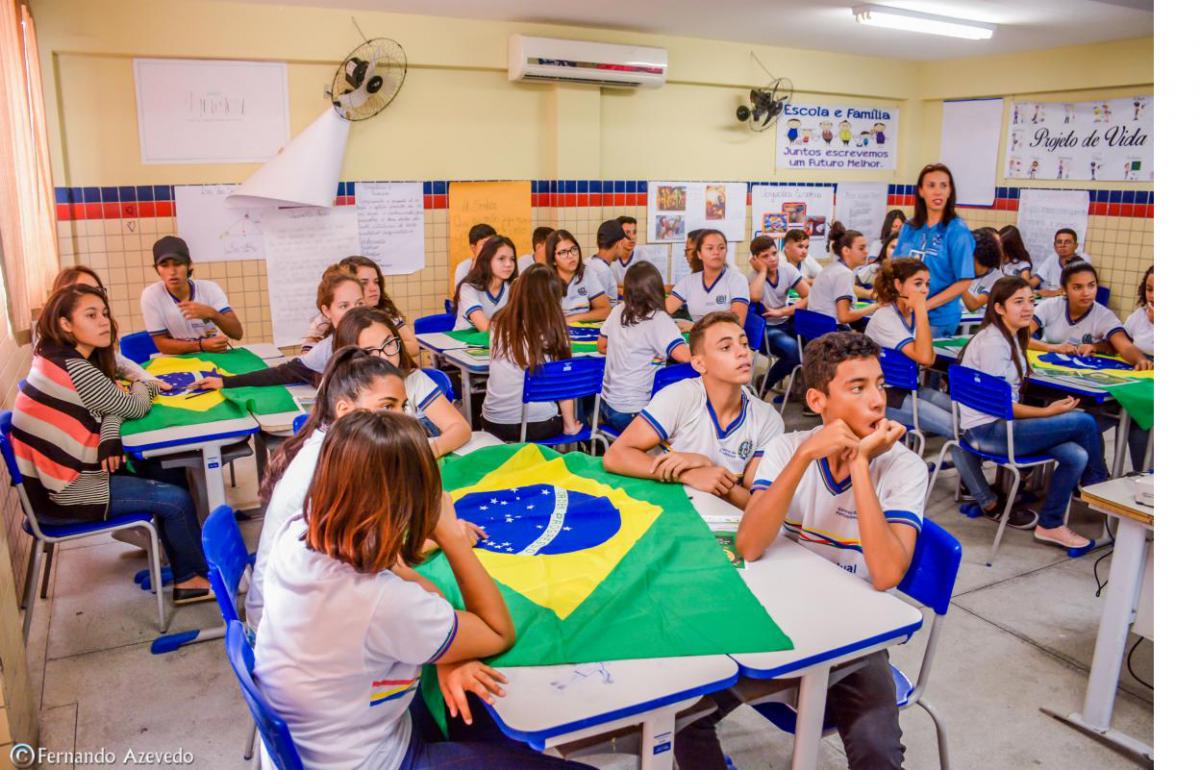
(988, 255)
(713, 285)
(581, 295)
(833, 291)
(1016, 257)
(487, 286)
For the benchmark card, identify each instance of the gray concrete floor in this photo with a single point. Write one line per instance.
(1018, 636)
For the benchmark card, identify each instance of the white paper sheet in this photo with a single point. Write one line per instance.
(680, 268)
(971, 147)
(775, 210)
(657, 254)
(300, 244)
(215, 231)
(675, 208)
(1042, 212)
(391, 224)
(305, 172)
(862, 206)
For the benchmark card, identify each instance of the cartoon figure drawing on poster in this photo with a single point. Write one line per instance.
(844, 132)
(806, 135)
(793, 131)
(880, 136)
(827, 131)
(774, 225)
(836, 137)
(672, 199)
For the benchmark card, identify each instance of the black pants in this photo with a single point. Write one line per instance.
(534, 431)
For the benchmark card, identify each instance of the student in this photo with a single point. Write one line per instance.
(712, 285)
(833, 292)
(1057, 429)
(372, 330)
(185, 315)
(941, 239)
(582, 297)
(1140, 323)
(540, 234)
(770, 285)
(487, 286)
(614, 247)
(66, 435)
(795, 251)
(1076, 324)
(1047, 278)
(367, 271)
(1016, 257)
(619, 266)
(475, 237)
(988, 255)
(637, 338)
(338, 292)
(526, 333)
(892, 223)
(347, 624)
(713, 429)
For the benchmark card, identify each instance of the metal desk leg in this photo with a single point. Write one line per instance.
(1122, 442)
(810, 718)
(658, 740)
(214, 480)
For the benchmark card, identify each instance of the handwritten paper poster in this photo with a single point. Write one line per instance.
(675, 208)
(215, 231)
(839, 136)
(300, 244)
(505, 206)
(775, 210)
(391, 225)
(657, 254)
(1109, 140)
(1043, 212)
(862, 206)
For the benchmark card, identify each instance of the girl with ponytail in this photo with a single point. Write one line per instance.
(832, 292)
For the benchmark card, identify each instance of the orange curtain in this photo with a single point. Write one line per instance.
(28, 235)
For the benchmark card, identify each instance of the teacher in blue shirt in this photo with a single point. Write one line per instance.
(939, 238)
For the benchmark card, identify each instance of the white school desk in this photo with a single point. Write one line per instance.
(439, 342)
(1125, 580)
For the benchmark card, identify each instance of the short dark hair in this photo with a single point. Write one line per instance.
(987, 247)
(627, 220)
(1074, 268)
(761, 244)
(1074, 235)
(823, 355)
(480, 231)
(701, 327)
(540, 234)
(796, 234)
(1142, 301)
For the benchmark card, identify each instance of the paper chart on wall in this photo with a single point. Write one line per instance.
(657, 254)
(674, 208)
(215, 231)
(1042, 212)
(775, 210)
(971, 146)
(862, 206)
(1111, 140)
(391, 225)
(300, 244)
(680, 268)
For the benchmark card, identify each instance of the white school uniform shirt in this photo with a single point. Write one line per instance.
(619, 268)
(502, 402)
(634, 355)
(834, 283)
(891, 330)
(160, 310)
(422, 391)
(1094, 326)
(1050, 271)
(1016, 268)
(811, 267)
(339, 653)
(989, 352)
(823, 516)
(471, 299)
(682, 416)
(524, 263)
(583, 288)
(604, 276)
(984, 283)
(1140, 329)
(775, 295)
(317, 357)
(730, 287)
(461, 270)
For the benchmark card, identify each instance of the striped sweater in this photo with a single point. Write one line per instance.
(66, 422)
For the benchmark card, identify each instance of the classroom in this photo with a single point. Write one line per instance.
(710, 383)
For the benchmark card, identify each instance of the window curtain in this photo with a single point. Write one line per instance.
(28, 234)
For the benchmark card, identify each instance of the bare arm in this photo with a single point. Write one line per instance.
(600, 308)
(229, 323)
(887, 548)
(453, 426)
(847, 313)
(740, 309)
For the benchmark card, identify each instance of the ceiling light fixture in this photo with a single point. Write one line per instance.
(913, 21)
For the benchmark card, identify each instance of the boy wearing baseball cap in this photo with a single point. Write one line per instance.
(185, 315)
(615, 248)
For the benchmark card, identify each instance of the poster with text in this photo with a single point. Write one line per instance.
(214, 230)
(837, 136)
(775, 210)
(1111, 141)
(1043, 212)
(862, 206)
(503, 205)
(675, 208)
(391, 225)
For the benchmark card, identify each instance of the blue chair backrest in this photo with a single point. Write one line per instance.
(438, 322)
(558, 380)
(227, 558)
(982, 392)
(271, 727)
(1102, 295)
(448, 304)
(442, 380)
(934, 568)
(899, 371)
(138, 347)
(756, 330)
(810, 325)
(298, 423)
(672, 373)
(10, 459)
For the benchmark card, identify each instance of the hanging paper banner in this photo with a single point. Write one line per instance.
(1111, 141)
(838, 136)
(779, 209)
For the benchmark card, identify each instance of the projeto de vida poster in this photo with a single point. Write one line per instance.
(1107, 140)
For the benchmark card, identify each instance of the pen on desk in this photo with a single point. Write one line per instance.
(196, 393)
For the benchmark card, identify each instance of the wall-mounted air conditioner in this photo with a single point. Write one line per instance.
(577, 61)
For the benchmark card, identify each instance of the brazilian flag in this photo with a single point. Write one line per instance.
(1133, 390)
(583, 338)
(178, 407)
(598, 567)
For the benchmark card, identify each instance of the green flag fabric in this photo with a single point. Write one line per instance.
(1137, 398)
(477, 339)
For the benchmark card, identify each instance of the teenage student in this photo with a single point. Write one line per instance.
(338, 292)
(540, 234)
(582, 296)
(713, 429)
(613, 248)
(1076, 324)
(374, 332)
(621, 266)
(368, 273)
(487, 286)
(528, 332)
(475, 237)
(892, 222)
(1016, 257)
(636, 339)
(66, 435)
(988, 256)
(1047, 277)
(937, 236)
(1057, 429)
(347, 624)
(833, 291)
(1140, 323)
(713, 285)
(185, 315)
(795, 251)
(770, 285)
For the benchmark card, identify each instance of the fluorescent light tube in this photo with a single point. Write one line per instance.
(912, 21)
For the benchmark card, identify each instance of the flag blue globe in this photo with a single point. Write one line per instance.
(539, 519)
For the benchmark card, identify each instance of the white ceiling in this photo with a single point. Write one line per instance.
(825, 25)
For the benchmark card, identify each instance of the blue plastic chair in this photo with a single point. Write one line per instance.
(902, 373)
(448, 304)
(808, 326)
(992, 396)
(138, 347)
(930, 581)
(45, 536)
(560, 380)
(298, 423)
(1102, 295)
(438, 322)
(756, 337)
(442, 380)
(666, 375)
(276, 737)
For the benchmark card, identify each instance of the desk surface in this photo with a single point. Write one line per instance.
(1065, 383)
(1116, 496)
(439, 342)
(183, 436)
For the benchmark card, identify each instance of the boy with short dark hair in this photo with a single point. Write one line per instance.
(795, 250)
(613, 248)
(1047, 277)
(538, 257)
(185, 315)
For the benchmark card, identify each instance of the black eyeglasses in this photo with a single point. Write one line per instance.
(390, 347)
(573, 250)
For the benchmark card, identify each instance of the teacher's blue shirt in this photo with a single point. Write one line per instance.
(948, 250)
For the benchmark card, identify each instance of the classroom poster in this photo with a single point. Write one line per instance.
(862, 206)
(971, 146)
(214, 230)
(1111, 140)
(838, 136)
(675, 208)
(1043, 212)
(775, 210)
(657, 254)
(391, 225)
(505, 206)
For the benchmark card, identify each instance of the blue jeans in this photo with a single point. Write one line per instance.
(174, 516)
(618, 421)
(933, 412)
(783, 344)
(1072, 439)
(947, 330)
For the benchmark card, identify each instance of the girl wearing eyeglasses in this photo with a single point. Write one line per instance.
(583, 297)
